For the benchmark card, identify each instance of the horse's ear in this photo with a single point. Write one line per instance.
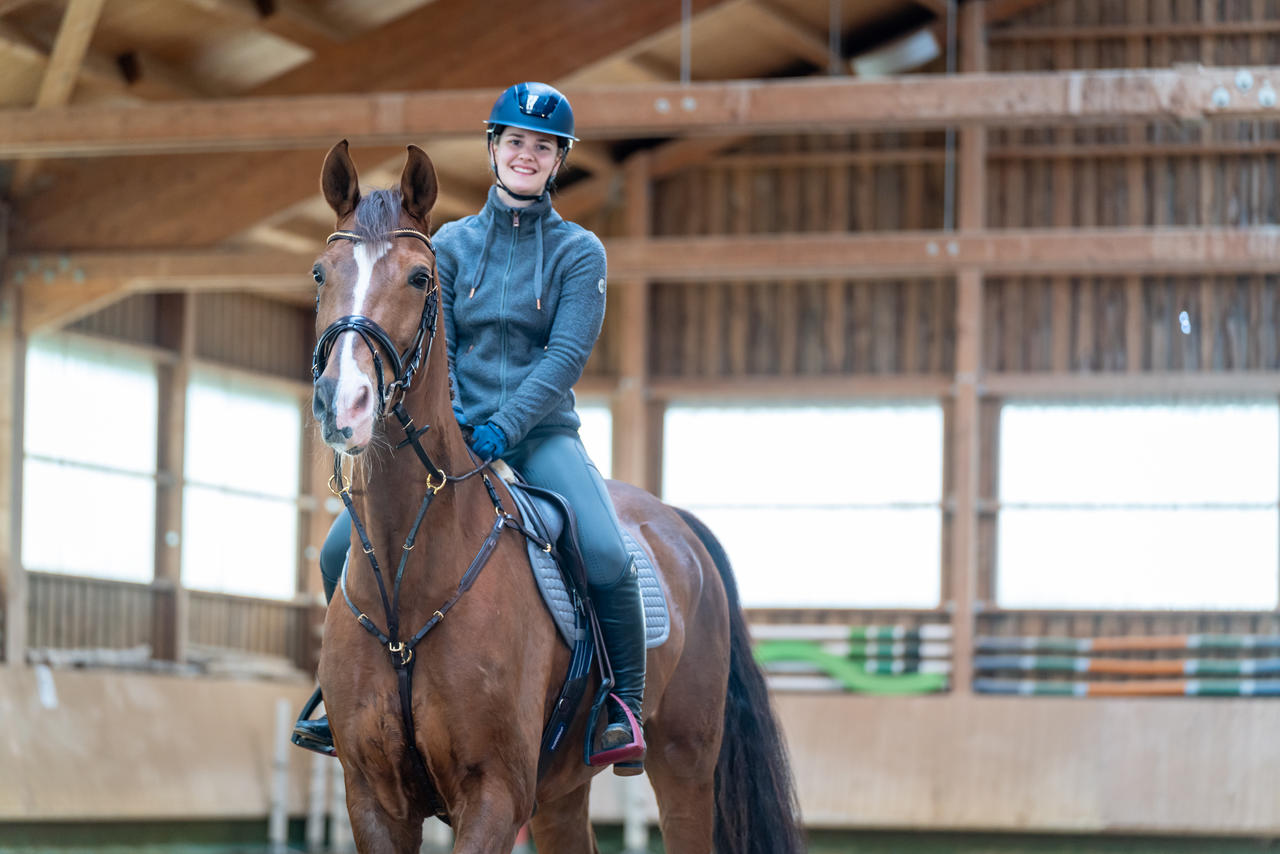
(339, 181)
(418, 185)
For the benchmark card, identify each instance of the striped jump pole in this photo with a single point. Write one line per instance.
(1128, 667)
(849, 675)
(827, 632)
(1144, 688)
(1132, 643)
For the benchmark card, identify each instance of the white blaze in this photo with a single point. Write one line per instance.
(350, 380)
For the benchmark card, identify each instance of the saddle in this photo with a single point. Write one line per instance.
(560, 572)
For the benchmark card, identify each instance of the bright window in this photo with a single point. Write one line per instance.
(817, 506)
(1139, 506)
(597, 435)
(89, 442)
(239, 508)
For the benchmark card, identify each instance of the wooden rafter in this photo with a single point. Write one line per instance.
(69, 48)
(773, 106)
(250, 188)
(787, 29)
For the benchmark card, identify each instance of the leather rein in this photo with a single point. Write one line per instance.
(403, 367)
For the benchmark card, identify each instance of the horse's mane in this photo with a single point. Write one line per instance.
(378, 214)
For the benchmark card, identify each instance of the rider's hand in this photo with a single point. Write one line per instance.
(488, 442)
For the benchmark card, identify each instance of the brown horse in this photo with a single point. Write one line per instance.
(484, 680)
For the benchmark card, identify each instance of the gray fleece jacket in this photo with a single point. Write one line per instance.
(524, 295)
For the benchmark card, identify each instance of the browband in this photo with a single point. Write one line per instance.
(398, 232)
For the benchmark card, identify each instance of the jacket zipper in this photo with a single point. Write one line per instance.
(502, 308)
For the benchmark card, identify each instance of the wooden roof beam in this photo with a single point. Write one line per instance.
(792, 32)
(249, 188)
(302, 24)
(79, 21)
(739, 107)
(55, 286)
(102, 77)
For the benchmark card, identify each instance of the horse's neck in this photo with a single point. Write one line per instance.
(395, 489)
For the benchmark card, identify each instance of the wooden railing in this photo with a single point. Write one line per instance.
(74, 612)
(68, 612)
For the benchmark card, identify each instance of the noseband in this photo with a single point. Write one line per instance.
(403, 365)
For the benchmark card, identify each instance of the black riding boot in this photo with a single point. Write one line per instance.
(621, 615)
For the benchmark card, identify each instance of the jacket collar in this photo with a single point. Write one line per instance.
(500, 211)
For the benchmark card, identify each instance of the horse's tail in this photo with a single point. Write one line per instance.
(756, 807)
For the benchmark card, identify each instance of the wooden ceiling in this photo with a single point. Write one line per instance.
(117, 53)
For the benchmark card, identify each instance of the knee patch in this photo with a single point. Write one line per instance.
(607, 565)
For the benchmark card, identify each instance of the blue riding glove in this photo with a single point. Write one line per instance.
(488, 442)
(459, 416)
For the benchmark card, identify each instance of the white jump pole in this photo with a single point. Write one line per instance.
(278, 824)
(635, 826)
(341, 840)
(316, 802)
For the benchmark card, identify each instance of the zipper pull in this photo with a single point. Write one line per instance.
(515, 219)
(473, 292)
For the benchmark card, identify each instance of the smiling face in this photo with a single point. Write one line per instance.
(525, 160)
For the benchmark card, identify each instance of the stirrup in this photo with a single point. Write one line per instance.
(304, 735)
(627, 759)
(313, 735)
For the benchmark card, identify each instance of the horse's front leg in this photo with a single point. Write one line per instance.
(491, 808)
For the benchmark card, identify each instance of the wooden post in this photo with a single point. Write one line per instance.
(966, 439)
(169, 612)
(633, 439)
(316, 466)
(13, 580)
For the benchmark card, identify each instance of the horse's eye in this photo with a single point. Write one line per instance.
(420, 277)
(317, 273)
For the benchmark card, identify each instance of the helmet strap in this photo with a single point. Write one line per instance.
(524, 197)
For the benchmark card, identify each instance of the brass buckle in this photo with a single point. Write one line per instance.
(397, 648)
(436, 487)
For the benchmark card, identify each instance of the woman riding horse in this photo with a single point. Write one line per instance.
(524, 300)
(452, 719)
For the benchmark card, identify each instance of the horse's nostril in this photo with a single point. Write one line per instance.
(322, 400)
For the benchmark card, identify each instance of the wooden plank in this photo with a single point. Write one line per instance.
(835, 343)
(1135, 323)
(739, 297)
(1208, 323)
(713, 320)
(734, 107)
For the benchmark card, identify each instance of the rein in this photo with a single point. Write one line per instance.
(404, 367)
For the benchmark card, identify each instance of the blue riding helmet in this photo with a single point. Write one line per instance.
(536, 107)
